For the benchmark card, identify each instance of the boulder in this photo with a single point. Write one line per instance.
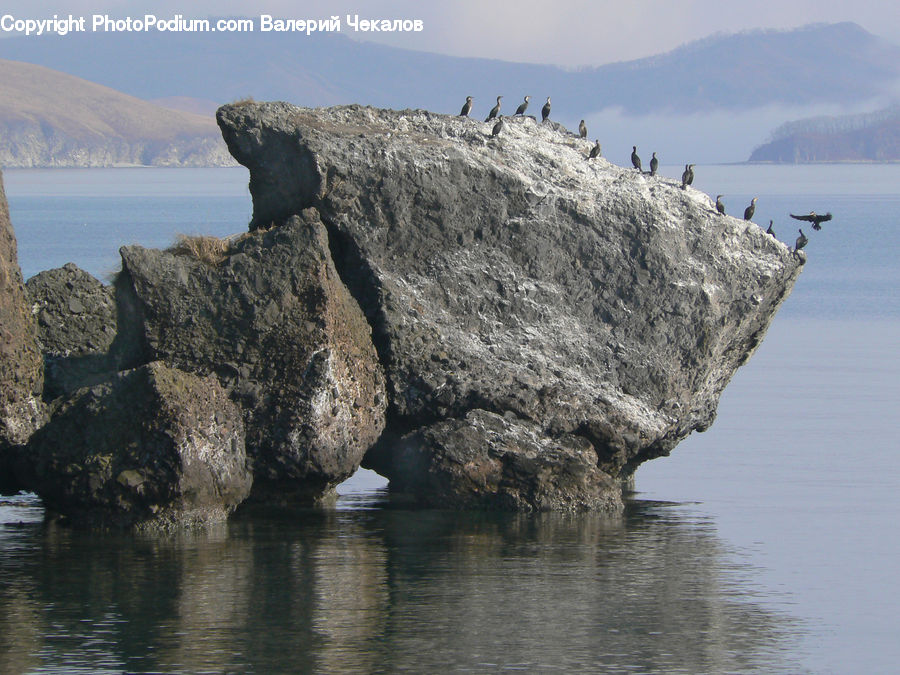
(153, 447)
(21, 370)
(273, 321)
(514, 275)
(488, 461)
(76, 325)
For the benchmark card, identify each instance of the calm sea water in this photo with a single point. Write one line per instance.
(767, 544)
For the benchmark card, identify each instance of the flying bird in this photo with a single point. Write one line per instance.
(720, 207)
(750, 210)
(582, 129)
(654, 165)
(545, 111)
(467, 107)
(523, 106)
(494, 111)
(635, 160)
(814, 218)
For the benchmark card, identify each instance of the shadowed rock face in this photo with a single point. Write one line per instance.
(153, 446)
(283, 335)
(512, 276)
(76, 324)
(21, 369)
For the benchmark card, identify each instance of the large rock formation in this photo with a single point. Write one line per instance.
(274, 322)
(152, 447)
(76, 325)
(21, 372)
(597, 311)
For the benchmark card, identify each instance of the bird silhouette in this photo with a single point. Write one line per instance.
(814, 218)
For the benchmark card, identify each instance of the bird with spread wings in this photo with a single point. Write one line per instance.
(814, 218)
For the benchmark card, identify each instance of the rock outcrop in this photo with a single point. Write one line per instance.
(153, 447)
(76, 325)
(21, 371)
(283, 335)
(529, 306)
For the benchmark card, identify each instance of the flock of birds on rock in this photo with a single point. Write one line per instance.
(687, 177)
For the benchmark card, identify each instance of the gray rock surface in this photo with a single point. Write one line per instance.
(511, 275)
(153, 447)
(485, 461)
(284, 336)
(76, 325)
(21, 370)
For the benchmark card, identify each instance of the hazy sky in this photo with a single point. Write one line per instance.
(566, 32)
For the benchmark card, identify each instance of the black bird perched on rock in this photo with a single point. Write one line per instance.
(595, 151)
(467, 107)
(802, 240)
(494, 111)
(497, 127)
(814, 218)
(654, 165)
(688, 176)
(770, 229)
(635, 160)
(750, 210)
(523, 106)
(720, 207)
(582, 129)
(545, 111)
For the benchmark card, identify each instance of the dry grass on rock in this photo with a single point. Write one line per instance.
(205, 248)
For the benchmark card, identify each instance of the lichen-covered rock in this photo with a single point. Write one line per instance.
(512, 274)
(76, 324)
(284, 336)
(485, 461)
(21, 371)
(153, 447)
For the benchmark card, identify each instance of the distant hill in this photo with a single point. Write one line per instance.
(873, 137)
(48, 118)
(833, 63)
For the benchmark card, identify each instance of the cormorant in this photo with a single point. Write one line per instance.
(595, 151)
(545, 111)
(750, 210)
(582, 129)
(497, 127)
(467, 107)
(494, 111)
(654, 165)
(814, 218)
(635, 160)
(720, 207)
(523, 106)
(770, 229)
(688, 176)
(802, 240)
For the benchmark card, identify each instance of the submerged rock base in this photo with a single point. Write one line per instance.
(154, 447)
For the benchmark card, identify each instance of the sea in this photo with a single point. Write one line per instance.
(768, 544)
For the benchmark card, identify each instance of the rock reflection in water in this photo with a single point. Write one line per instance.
(387, 590)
